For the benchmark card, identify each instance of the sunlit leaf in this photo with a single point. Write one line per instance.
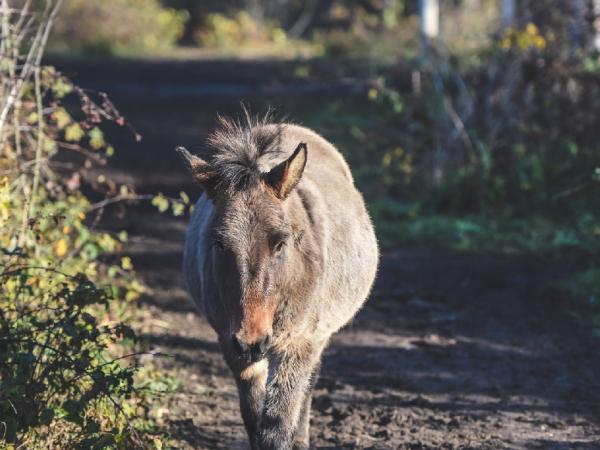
(96, 138)
(74, 133)
(61, 247)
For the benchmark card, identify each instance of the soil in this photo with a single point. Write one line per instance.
(451, 351)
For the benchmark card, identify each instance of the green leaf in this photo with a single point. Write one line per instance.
(178, 208)
(161, 202)
(61, 88)
(96, 138)
(184, 197)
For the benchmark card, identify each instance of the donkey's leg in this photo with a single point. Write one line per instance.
(302, 438)
(288, 382)
(251, 380)
(251, 383)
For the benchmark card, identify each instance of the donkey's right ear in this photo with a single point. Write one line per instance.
(200, 169)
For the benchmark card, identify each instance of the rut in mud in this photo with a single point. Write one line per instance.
(452, 351)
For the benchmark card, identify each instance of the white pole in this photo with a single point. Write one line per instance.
(508, 13)
(430, 18)
(578, 25)
(596, 9)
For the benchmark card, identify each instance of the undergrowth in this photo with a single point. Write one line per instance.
(70, 361)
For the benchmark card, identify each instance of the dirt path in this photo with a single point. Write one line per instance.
(451, 352)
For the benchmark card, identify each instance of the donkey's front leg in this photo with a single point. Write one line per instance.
(302, 437)
(251, 382)
(289, 380)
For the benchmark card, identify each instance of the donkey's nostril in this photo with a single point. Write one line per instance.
(240, 346)
(251, 352)
(263, 344)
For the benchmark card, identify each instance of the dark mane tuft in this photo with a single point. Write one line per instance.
(237, 148)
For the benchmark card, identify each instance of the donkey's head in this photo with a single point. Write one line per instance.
(251, 236)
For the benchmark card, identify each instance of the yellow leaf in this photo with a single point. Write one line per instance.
(32, 118)
(60, 248)
(531, 28)
(506, 43)
(126, 263)
(74, 133)
(131, 296)
(539, 42)
(62, 118)
(387, 160)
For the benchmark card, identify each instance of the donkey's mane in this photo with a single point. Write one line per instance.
(239, 146)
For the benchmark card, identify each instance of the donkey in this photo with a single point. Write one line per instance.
(280, 253)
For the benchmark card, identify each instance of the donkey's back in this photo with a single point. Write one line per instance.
(342, 226)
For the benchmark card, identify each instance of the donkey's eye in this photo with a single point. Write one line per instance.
(278, 247)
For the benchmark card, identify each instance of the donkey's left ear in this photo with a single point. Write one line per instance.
(284, 177)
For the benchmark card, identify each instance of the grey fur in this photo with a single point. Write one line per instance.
(239, 147)
(298, 268)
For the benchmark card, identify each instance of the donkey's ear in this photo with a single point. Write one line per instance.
(285, 176)
(200, 169)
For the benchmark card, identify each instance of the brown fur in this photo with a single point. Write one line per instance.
(280, 252)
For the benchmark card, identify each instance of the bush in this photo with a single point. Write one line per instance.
(239, 30)
(512, 138)
(517, 132)
(60, 384)
(117, 27)
(66, 364)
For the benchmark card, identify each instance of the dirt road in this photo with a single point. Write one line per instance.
(452, 351)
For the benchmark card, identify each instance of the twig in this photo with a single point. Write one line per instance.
(33, 58)
(119, 198)
(40, 137)
(571, 191)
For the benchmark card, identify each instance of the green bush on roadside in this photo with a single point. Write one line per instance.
(117, 27)
(240, 29)
(68, 366)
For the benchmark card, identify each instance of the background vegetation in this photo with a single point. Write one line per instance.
(68, 358)
(482, 139)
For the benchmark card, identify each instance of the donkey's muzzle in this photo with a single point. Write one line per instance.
(251, 353)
